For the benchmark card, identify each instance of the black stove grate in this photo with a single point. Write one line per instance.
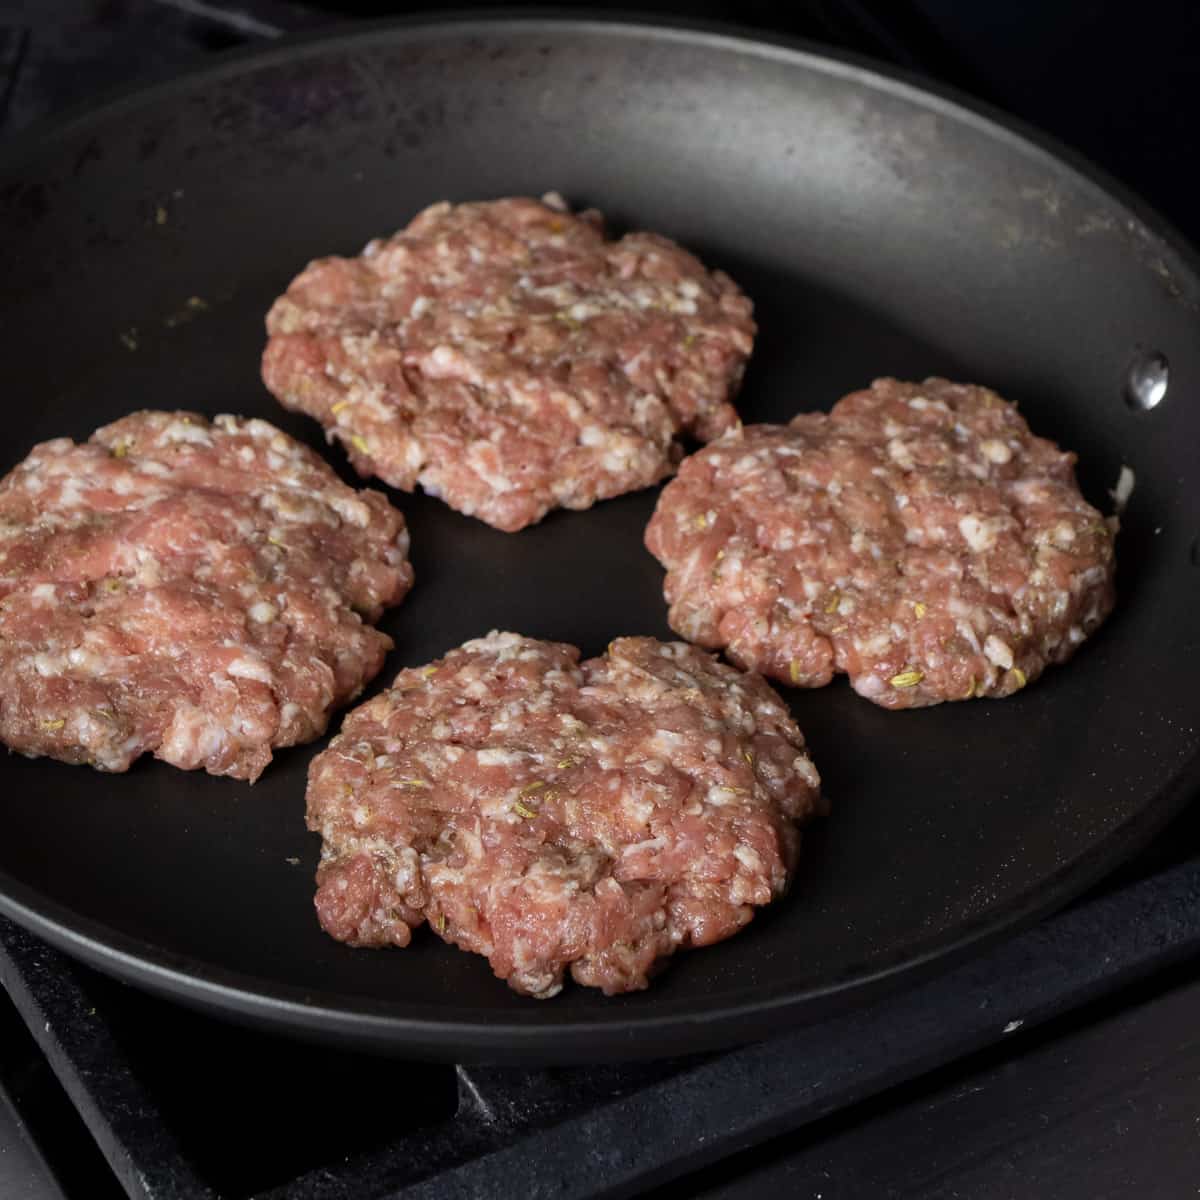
(183, 1105)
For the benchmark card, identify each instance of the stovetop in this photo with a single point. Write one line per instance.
(182, 1105)
(1061, 1062)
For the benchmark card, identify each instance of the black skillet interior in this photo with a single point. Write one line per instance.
(880, 230)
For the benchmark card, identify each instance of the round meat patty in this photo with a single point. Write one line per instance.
(549, 813)
(187, 589)
(918, 538)
(510, 359)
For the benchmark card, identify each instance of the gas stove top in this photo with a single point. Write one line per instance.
(181, 1105)
(1017, 1072)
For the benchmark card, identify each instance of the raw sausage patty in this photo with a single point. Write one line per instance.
(918, 538)
(509, 358)
(554, 814)
(186, 589)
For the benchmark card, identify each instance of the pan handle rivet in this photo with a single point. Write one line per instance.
(1146, 383)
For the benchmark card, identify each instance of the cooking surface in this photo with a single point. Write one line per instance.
(825, 193)
(1140, 1137)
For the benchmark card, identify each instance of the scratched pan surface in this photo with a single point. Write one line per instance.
(880, 230)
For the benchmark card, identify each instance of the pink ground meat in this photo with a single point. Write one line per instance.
(190, 590)
(918, 538)
(552, 814)
(509, 358)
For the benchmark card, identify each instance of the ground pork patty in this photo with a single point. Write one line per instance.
(510, 359)
(549, 813)
(187, 589)
(918, 538)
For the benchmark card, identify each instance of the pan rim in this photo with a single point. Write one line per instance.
(623, 1032)
(745, 39)
(474, 1034)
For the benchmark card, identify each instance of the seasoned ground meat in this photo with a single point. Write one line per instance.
(919, 538)
(510, 359)
(187, 589)
(549, 813)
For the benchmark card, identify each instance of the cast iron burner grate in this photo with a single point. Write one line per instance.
(185, 1106)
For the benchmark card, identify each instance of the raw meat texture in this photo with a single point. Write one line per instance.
(509, 359)
(191, 590)
(553, 815)
(918, 538)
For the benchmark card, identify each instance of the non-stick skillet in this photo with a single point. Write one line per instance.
(880, 228)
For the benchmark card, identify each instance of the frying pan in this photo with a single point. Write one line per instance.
(880, 228)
